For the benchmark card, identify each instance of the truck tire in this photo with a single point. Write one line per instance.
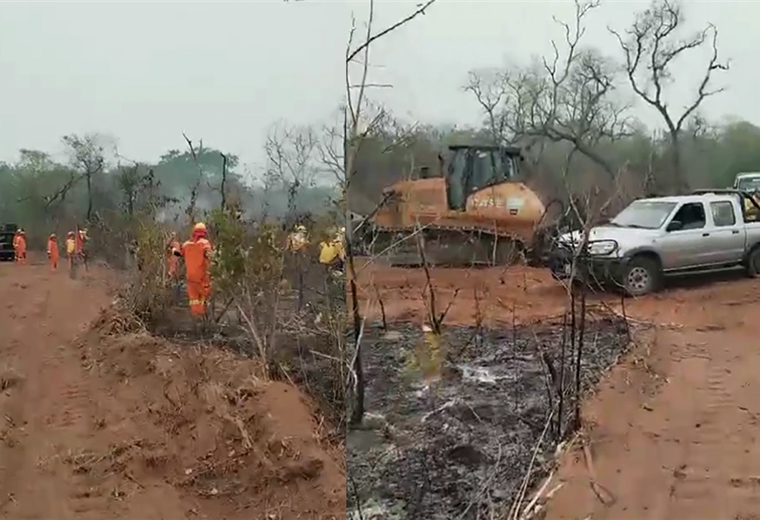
(642, 275)
(752, 264)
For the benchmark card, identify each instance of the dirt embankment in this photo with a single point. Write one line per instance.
(117, 426)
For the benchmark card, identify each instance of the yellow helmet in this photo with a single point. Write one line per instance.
(200, 226)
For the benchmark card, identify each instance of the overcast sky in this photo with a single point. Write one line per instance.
(147, 71)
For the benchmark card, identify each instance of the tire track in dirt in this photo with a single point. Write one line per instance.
(685, 448)
(714, 476)
(37, 346)
(88, 430)
(56, 409)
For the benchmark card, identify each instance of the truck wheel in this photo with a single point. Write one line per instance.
(753, 263)
(641, 276)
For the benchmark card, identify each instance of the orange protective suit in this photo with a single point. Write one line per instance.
(52, 252)
(20, 247)
(197, 255)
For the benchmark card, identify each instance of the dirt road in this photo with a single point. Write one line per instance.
(122, 427)
(681, 446)
(672, 432)
(524, 295)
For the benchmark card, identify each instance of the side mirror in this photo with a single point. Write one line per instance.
(675, 225)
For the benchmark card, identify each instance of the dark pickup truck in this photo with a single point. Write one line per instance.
(7, 232)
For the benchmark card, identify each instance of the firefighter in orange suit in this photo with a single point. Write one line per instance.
(52, 252)
(197, 255)
(20, 243)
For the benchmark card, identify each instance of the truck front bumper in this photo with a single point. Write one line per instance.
(598, 270)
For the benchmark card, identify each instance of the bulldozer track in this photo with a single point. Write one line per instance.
(479, 229)
(449, 247)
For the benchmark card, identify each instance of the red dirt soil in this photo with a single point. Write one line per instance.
(100, 423)
(672, 430)
(525, 294)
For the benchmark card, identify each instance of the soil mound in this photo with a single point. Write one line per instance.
(232, 443)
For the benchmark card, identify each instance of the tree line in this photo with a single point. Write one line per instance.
(92, 184)
(572, 114)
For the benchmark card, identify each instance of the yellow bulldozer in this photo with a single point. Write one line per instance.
(475, 211)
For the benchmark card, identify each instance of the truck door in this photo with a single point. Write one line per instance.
(689, 245)
(727, 237)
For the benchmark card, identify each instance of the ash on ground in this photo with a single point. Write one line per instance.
(461, 447)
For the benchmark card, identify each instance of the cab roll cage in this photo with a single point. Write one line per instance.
(729, 191)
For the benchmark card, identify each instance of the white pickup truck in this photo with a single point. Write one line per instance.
(656, 237)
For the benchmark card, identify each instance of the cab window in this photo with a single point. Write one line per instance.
(723, 213)
(691, 216)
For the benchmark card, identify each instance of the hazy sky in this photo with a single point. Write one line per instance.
(147, 71)
(428, 62)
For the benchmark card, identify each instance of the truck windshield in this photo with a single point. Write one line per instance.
(645, 214)
(748, 184)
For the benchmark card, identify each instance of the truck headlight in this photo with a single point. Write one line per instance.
(602, 247)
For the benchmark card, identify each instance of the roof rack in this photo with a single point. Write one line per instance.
(728, 191)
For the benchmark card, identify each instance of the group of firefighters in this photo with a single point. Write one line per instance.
(195, 252)
(75, 248)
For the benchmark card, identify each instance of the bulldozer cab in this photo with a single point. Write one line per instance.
(472, 168)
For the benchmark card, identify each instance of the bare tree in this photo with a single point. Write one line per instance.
(330, 148)
(651, 46)
(491, 88)
(190, 210)
(292, 155)
(566, 98)
(88, 156)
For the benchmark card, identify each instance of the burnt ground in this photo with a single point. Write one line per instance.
(462, 446)
(671, 430)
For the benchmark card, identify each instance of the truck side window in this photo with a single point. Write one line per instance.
(723, 213)
(691, 215)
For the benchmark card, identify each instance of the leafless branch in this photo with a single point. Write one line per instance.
(351, 54)
(566, 98)
(351, 141)
(194, 191)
